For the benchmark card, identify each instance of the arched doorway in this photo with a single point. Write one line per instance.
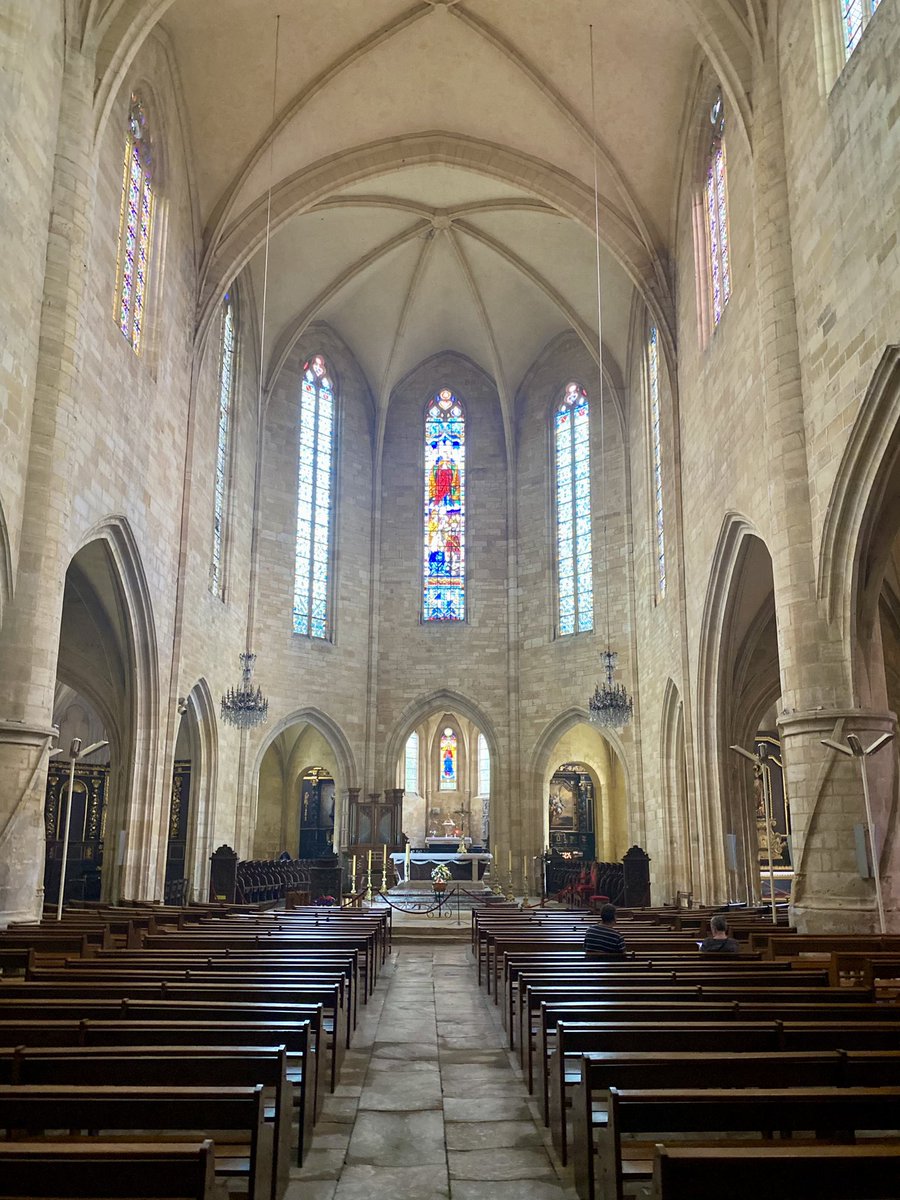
(107, 681)
(299, 779)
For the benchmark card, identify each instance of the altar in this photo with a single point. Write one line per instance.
(467, 867)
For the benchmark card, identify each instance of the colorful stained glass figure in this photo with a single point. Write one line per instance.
(444, 597)
(449, 757)
(411, 764)
(223, 444)
(855, 16)
(134, 227)
(484, 766)
(656, 445)
(311, 615)
(717, 213)
(575, 577)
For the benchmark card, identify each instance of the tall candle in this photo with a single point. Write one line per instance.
(509, 852)
(525, 867)
(406, 865)
(370, 862)
(384, 856)
(353, 873)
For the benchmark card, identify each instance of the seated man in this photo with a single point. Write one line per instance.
(719, 942)
(604, 939)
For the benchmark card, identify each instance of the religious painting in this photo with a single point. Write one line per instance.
(775, 832)
(449, 761)
(563, 802)
(444, 562)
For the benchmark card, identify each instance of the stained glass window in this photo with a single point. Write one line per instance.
(314, 488)
(571, 426)
(484, 766)
(855, 16)
(445, 509)
(134, 227)
(411, 764)
(717, 212)
(449, 760)
(223, 441)
(656, 447)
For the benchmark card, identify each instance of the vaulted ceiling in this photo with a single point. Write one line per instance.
(431, 164)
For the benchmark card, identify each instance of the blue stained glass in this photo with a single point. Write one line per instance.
(719, 266)
(573, 484)
(449, 761)
(315, 466)
(444, 562)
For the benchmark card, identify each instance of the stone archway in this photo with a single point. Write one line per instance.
(307, 738)
(739, 683)
(107, 653)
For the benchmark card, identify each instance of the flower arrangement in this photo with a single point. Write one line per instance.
(325, 902)
(441, 873)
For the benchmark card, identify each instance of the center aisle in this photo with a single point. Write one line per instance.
(429, 1105)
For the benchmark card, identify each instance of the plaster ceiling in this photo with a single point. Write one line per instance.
(442, 252)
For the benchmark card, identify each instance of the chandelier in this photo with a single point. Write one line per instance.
(245, 706)
(610, 706)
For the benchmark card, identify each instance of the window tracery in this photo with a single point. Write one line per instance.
(444, 596)
(575, 581)
(411, 764)
(223, 444)
(855, 16)
(311, 615)
(716, 197)
(656, 452)
(134, 227)
(449, 777)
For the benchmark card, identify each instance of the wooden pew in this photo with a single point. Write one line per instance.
(832, 1112)
(720, 1068)
(106, 1170)
(239, 1111)
(158, 1066)
(801, 1172)
(140, 998)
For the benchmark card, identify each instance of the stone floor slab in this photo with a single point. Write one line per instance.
(409, 1139)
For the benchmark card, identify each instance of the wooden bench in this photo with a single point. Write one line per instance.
(832, 1112)
(106, 1170)
(720, 1068)
(801, 1172)
(158, 1066)
(237, 1110)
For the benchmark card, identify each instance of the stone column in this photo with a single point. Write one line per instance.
(29, 642)
(823, 788)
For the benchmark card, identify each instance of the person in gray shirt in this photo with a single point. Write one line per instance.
(719, 942)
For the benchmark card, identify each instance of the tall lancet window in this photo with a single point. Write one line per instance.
(411, 764)
(716, 195)
(574, 562)
(484, 766)
(449, 781)
(223, 446)
(444, 596)
(134, 227)
(656, 452)
(312, 616)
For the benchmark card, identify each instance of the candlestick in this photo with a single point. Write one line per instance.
(509, 864)
(407, 865)
(353, 875)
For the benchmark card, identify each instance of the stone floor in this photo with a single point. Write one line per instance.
(430, 1105)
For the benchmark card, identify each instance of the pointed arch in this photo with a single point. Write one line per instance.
(734, 543)
(418, 711)
(860, 493)
(330, 731)
(141, 811)
(6, 573)
(205, 790)
(678, 841)
(560, 725)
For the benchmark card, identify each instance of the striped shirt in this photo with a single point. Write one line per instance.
(603, 939)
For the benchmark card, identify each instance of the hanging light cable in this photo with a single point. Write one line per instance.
(610, 706)
(245, 706)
